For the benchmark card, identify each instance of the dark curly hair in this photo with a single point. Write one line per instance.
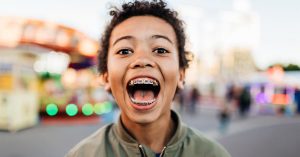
(139, 8)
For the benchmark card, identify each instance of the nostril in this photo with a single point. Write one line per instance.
(142, 63)
(148, 65)
(137, 66)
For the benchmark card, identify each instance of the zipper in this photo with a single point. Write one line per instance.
(142, 150)
(163, 151)
(144, 154)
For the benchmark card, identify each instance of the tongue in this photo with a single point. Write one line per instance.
(143, 95)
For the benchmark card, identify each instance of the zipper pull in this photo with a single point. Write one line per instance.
(162, 153)
(142, 150)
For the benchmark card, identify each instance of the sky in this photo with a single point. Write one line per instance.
(279, 24)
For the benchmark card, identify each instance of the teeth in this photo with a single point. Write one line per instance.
(143, 81)
(143, 103)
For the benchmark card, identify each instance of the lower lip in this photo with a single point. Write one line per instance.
(143, 108)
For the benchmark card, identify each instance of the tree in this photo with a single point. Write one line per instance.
(291, 67)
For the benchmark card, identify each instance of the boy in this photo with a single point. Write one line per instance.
(142, 63)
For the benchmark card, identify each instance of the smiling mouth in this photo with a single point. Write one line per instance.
(143, 91)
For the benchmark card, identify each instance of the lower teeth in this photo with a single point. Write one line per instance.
(143, 103)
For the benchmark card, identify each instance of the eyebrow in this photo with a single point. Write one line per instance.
(122, 38)
(154, 37)
(163, 37)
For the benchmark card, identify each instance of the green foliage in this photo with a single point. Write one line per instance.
(291, 67)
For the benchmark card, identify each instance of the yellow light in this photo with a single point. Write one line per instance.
(69, 78)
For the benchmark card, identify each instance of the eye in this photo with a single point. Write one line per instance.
(161, 51)
(124, 51)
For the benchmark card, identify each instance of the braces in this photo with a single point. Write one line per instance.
(143, 103)
(143, 81)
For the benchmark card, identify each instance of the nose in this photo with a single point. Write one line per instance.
(142, 60)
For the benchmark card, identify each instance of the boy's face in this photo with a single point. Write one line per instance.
(143, 68)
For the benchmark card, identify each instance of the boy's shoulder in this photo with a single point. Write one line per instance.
(92, 144)
(205, 145)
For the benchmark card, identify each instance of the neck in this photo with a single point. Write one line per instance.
(154, 135)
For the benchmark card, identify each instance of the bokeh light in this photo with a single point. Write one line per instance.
(52, 109)
(102, 108)
(71, 109)
(87, 109)
(108, 107)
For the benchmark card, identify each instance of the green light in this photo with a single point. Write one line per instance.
(107, 107)
(101, 108)
(87, 109)
(51, 109)
(98, 108)
(71, 109)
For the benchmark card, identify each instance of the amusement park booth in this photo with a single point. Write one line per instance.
(27, 47)
(19, 101)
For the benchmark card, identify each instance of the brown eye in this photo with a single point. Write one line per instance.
(161, 51)
(124, 52)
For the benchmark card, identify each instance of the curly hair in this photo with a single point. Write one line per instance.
(139, 8)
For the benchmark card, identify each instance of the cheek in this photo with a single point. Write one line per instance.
(116, 85)
(116, 72)
(171, 75)
(170, 68)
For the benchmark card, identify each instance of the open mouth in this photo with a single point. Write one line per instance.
(143, 91)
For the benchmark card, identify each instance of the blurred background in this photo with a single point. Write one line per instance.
(242, 88)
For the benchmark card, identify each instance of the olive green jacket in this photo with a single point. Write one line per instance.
(114, 141)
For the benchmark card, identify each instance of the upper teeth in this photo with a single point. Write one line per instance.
(143, 81)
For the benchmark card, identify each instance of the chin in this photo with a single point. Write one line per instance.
(144, 118)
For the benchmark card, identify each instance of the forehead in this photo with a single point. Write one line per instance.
(143, 26)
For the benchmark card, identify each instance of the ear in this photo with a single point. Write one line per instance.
(105, 81)
(181, 82)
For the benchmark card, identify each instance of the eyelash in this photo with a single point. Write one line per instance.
(121, 52)
(160, 49)
(156, 50)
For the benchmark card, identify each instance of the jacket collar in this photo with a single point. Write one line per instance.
(180, 133)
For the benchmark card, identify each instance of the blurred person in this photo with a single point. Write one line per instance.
(261, 97)
(224, 118)
(297, 99)
(232, 96)
(262, 102)
(244, 102)
(230, 92)
(142, 62)
(194, 99)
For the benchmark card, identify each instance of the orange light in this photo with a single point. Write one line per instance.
(88, 48)
(280, 99)
(275, 73)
